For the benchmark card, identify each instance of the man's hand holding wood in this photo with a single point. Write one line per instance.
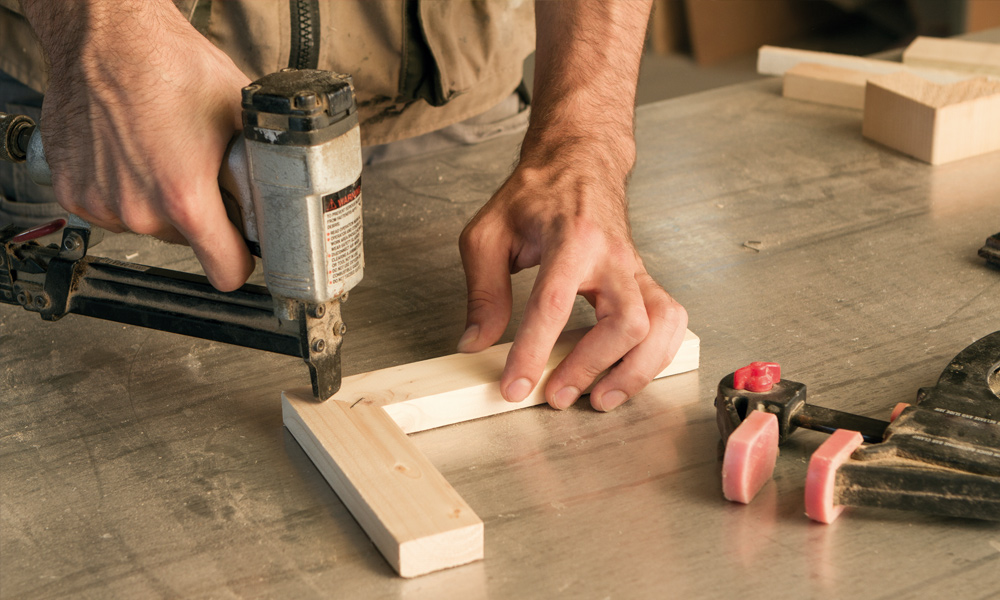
(564, 209)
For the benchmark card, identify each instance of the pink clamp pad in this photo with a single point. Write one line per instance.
(897, 410)
(751, 452)
(822, 475)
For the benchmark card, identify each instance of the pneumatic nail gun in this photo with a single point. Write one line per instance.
(292, 184)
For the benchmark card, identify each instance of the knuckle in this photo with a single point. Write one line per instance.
(139, 219)
(624, 378)
(552, 303)
(588, 372)
(179, 213)
(183, 209)
(476, 235)
(670, 311)
(678, 314)
(468, 240)
(482, 300)
(661, 305)
(528, 361)
(588, 236)
(96, 211)
(634, 325)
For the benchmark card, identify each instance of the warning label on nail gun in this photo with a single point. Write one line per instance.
(345, 259)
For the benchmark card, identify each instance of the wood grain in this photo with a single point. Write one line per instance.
(934, 123)
(461, 387)
(825, 84)
(772, 60)
(954, 55)
(413, 516)
(357, 441)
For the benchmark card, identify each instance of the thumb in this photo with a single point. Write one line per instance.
(487, 276)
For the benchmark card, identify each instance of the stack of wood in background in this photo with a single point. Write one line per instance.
(941, 104)
(717, 30)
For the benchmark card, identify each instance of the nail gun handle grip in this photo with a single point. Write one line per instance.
(21, 141)
(234, 183)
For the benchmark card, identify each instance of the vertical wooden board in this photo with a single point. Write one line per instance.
(954, 55)
(413, 516)
(824, 84)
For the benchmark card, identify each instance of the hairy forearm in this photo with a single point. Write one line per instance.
(117, 70)
(90, 32)
(586, 70)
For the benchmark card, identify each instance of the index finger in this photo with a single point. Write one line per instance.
(547, 311)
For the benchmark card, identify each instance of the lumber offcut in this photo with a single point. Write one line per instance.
(931, 122)
(955, 55)
(413, 516)
(772, 60)
(824, 84)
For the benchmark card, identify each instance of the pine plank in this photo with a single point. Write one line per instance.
(772, 60)
(413, 516)
(461, 387)
(824, 84)
(955, 55)
(934, 123)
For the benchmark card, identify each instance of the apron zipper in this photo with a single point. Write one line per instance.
(304, 50)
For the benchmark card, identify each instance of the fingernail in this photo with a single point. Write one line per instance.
(518, 390)
(611, 400)
(468, 338)
(565, 397)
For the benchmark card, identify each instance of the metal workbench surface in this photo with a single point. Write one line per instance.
(135, 463)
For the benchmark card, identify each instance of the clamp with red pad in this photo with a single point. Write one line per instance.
(940, 455)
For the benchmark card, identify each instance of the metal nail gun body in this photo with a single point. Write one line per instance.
(292, 184)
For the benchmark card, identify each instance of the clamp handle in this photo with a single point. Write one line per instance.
(757, 376)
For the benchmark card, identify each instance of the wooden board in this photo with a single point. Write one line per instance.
(772, 60)
(825, 84)
(461, 387)
(931, 122)
(955, 55)
(413, 516)
(357, 441)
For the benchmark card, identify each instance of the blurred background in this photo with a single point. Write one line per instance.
(696, 45)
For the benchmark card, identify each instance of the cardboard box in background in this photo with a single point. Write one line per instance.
(721, 29)
(715, 30)
(981, 14)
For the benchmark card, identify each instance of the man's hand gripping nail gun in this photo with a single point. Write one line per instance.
(292, 184)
